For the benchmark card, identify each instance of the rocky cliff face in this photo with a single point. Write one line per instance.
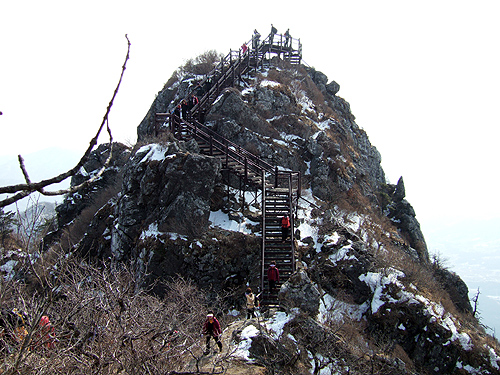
(363, 265)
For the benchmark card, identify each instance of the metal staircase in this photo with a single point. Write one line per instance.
(280, 189)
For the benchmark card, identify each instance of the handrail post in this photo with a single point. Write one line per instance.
(276, 177)
(263, 230)
(246, 169)
(291, 220)
(227, 155)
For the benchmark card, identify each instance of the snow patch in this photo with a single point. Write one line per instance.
(331, 308)
(242, 351)
(278, 321)
(8, 269)
(222, 220)
(153, 151)
(268, 83)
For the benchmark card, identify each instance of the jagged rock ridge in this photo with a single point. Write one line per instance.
(362, 255)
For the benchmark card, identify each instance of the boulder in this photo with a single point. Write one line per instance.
(299, 291)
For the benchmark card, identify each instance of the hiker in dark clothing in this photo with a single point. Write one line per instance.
(193, 100)
(208, 84)
(285, 227)
(211, 328)
(255, 39)
(175, 122)
(287, 38)
(199, 90)
(273, 276)
(273, 32)
(184, 109)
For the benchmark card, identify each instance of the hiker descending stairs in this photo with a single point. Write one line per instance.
(278, 246)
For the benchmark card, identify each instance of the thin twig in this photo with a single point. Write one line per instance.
(24, 190)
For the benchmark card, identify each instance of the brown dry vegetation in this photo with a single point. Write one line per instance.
(104, 323)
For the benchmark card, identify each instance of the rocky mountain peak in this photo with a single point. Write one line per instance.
(361, 263)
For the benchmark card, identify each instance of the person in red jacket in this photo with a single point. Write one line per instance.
(285, 227)
(211, 328)
(273, 276)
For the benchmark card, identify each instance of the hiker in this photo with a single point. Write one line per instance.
(208, 84)
(176, 114)
(255, 39)
(47, 336)
(193, 100)
(199, 90)
(273, 276)
(251, 299)
(287, 38)
(211, 328)
(184, 109)
(244, 48)
(271, 36)
(285, 227)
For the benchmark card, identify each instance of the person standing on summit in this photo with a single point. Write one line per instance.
(287, 38)
(273, 32)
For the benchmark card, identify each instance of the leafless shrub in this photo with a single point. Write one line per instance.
(103, 322)
(203, 64)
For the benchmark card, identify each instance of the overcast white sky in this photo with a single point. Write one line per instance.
(422, 77)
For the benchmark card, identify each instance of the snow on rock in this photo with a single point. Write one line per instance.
(377, 283)
(242, 351)
(342, 254)
(494, 358)
(152, 231)
(436, 312)
(333, 309)
(268, 83)
(278, 321)
(8, 269)
(222, 220)
(153, 151)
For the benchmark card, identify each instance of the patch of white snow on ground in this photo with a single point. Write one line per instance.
(242, 351)
(153, 151)
(222, 220)
(331, 308)
(494, 358)
(268, 83)
(277, 322)
(377, 283)
(247, 90)
(342, 254)
(152, 231)
(8, 269)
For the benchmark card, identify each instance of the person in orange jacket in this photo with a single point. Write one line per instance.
(285, 227)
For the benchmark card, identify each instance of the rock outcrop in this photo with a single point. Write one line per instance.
(403, 215)
(360, 249)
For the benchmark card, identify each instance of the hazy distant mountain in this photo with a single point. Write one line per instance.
(41, 164)
(472, 249)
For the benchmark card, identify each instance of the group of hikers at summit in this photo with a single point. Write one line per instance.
(183, 109)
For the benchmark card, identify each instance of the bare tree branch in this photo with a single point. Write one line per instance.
(23, 190)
